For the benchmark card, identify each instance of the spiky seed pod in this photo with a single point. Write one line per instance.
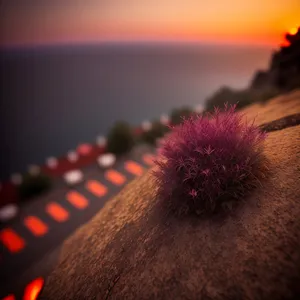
(209, 160)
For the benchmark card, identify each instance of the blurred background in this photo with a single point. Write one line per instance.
(88, 88)
(70, 69)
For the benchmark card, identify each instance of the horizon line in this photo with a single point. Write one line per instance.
(21, 46)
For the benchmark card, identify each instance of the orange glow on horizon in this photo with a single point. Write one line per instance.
(293, 31)
(220, 21)
(219, 38)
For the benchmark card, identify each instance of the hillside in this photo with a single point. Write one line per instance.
(133, 249)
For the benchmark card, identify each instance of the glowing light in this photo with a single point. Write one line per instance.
(13, 242)
(96, 188)
(57, 212)
(78, 200)
(73, 177)
(134, 168)
(84, 149)
(36, 226)
(293, 31)
(106, 160)
(72, 156)
(33, 289)
(8, 212)
(115, 177)
(52, 162)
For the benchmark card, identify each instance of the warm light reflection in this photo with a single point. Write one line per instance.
(33, 289)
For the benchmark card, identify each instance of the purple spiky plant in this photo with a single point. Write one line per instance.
(209, 161)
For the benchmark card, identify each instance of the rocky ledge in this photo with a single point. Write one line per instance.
(133, 249)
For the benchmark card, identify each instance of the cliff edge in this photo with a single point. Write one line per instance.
(133, 249)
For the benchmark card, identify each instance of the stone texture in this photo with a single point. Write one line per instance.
(133, 249)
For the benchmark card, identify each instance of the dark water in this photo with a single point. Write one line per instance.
(54, 98)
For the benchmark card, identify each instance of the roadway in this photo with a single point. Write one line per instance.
(29, 246)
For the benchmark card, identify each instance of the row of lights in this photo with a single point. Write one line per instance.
(71, 178)
(84, 149)
(32, 290)
(52, 162)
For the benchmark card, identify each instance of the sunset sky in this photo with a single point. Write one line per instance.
(32, 22)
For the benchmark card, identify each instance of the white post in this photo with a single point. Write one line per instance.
(52, 162)
(101, 141)
(72, 156)
(146, 125)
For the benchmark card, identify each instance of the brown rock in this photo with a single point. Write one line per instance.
(133, 250)
(276, 108)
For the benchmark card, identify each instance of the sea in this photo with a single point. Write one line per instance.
(54, 98)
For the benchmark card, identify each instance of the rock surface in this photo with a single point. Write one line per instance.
(276, 108)
(133, 249)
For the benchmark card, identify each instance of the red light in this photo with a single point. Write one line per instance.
(33, 289)
(84, 149)
(12, 240)
(134, 168)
